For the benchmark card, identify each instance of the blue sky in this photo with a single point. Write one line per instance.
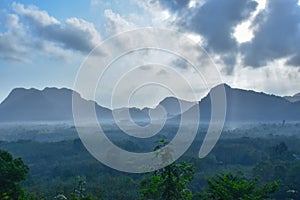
(254, 44)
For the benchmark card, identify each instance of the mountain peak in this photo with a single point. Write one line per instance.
(220, 86)
(56, 89)
(22, 90)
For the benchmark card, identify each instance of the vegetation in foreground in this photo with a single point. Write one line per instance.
(168, 183)
(238, 168)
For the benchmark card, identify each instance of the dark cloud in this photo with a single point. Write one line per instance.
(276, 29)
(75, 34)
(215, 20)
(295, 60)
(277, 35)
(230, 61)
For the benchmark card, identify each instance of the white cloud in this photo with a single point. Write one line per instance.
(243, 33)
(117, 24)
(274, 78)
(192, 3)
(31, 30)
(76, 34)
(156, 15)
(18, 45)
(33, 13)
(82, 32)
(13, 42)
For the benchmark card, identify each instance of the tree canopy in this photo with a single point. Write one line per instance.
(229, 187)
(13, 171)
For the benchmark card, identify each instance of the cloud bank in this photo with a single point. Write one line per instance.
(276, 29)
(31, 29)
(277, 35)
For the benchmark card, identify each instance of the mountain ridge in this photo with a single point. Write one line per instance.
(53, 103)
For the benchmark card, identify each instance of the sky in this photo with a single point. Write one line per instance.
(253, 44)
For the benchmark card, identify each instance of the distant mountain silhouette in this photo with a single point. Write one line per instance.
(247, 105)
(294, 98)
(52, 104)
(174, 106)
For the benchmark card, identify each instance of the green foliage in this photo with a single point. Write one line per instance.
(169, 182)
(120, 186)
(32, 196)
(280, 165)
(13, 171)
(53, 172)
(232, 187)
(79, 192)
(75, 197)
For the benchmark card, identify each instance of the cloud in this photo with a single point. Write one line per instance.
(175, 4)
(12, 42)
(295, 60)
(274, 78)
(145, 67)
(180, 63)
(215, 21)
(17, 44)
(30, 32)
(162, 72)
(277, 35)
(156, 14)
(76, 34)
(276, 29)
(32, 13)
(116, 24)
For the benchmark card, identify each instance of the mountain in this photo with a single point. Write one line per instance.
(52, 104)
(174, 106)
(294, 98)
(247, 106)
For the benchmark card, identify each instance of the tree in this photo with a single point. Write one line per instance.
(230, 187)
(12, 172)
(170, 182)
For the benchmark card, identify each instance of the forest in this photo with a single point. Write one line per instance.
(261, 165)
